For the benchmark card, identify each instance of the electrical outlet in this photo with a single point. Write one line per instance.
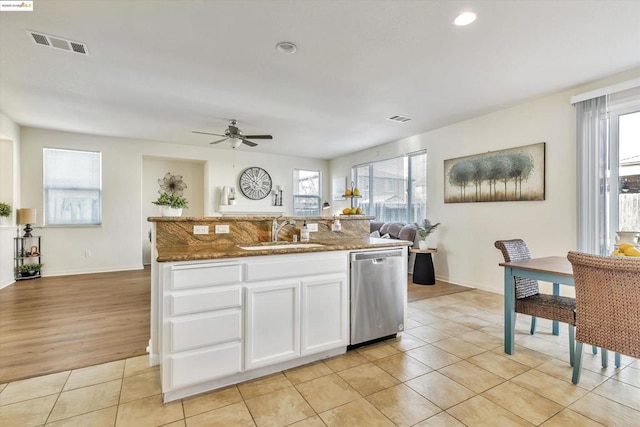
(200, 229)
(87, 253)
(222, 229)
(313, 226)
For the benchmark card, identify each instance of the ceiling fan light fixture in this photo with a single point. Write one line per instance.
(465, 18)
(287, 48)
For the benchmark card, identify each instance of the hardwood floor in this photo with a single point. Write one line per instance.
(417, 292)
(54, 324)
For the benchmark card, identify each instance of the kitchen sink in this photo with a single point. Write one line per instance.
(270, 246)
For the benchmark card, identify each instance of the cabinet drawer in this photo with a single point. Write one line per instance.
(198, 275)
(205, 330)
(198, 301)
(200, 366)
(302, 265)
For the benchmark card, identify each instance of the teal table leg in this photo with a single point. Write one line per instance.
(555, 327)
(509, 310)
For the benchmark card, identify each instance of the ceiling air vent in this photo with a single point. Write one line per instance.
(58, 43)
(399, 119)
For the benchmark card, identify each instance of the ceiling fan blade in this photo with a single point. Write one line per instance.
(258, 136)
(249, 143)
(220, 140)
(207, 133)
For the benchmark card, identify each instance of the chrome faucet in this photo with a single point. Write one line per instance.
(275, 227)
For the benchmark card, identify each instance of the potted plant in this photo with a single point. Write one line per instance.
(5, 212)
(5, 209)
(171, 204)
(28, 270)
(424, 230)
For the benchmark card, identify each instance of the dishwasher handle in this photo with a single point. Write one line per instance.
(378, 256)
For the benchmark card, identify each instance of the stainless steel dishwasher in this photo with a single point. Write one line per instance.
(378, 289)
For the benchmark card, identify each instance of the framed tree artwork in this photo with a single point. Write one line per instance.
(515, 174)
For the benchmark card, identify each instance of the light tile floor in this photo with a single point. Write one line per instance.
(447, 369)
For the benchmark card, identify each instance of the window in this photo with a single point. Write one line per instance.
(625, 130)
(394, 189)
(72, 187)
(608, 169)
(306, 192)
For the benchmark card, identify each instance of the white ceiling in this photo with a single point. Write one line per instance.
(159, 69)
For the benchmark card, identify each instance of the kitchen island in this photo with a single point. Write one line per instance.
(222, 314)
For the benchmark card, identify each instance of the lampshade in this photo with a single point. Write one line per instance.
(27, 216)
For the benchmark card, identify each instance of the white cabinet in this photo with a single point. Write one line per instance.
(325, 308)
(304, 312)
(222, 322)
(202, 322)
(188, 368)
(273, 323)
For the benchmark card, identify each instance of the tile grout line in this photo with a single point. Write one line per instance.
(57, 398)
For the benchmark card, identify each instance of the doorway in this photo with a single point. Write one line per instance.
(155, 168)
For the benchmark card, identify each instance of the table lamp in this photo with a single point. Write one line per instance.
(27, 216)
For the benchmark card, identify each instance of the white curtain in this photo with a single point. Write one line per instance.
(592, 169)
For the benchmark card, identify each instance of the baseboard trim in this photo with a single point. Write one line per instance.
(7, 284)
(108, 270)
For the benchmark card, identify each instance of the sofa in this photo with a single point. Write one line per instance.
(396, 230)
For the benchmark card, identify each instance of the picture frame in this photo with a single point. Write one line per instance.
(338, 188)
(514, 174)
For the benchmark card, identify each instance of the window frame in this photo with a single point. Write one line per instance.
(295, 195)
(47, 199)
(408, 184)
(613, 195)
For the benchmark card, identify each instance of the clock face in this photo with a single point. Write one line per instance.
(255, 183)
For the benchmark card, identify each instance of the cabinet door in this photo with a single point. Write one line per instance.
(272, 331)
(325, 320)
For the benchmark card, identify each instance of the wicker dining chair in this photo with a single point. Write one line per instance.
(607, 305)
(530, 301)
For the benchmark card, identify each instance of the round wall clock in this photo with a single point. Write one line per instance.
(255, 183)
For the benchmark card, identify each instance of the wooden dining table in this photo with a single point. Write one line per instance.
(554, 269)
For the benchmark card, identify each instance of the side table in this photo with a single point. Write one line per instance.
(423, 273)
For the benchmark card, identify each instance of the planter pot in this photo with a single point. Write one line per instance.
(28, 273)
(422, 244)
(169, 211)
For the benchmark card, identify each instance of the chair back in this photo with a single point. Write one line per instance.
(517, 250)
(607, 301)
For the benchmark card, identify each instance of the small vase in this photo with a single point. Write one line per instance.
(422, 244)
(169, 211)
(224, 196)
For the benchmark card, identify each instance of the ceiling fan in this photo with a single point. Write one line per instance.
(235, 136)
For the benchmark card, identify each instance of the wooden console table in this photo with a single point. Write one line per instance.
(423, 273)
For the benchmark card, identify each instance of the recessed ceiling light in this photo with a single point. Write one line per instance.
(465, 18)
(286, 47)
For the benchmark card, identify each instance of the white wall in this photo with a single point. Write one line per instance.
(9, 155)
(465, 239)
(117, 244)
